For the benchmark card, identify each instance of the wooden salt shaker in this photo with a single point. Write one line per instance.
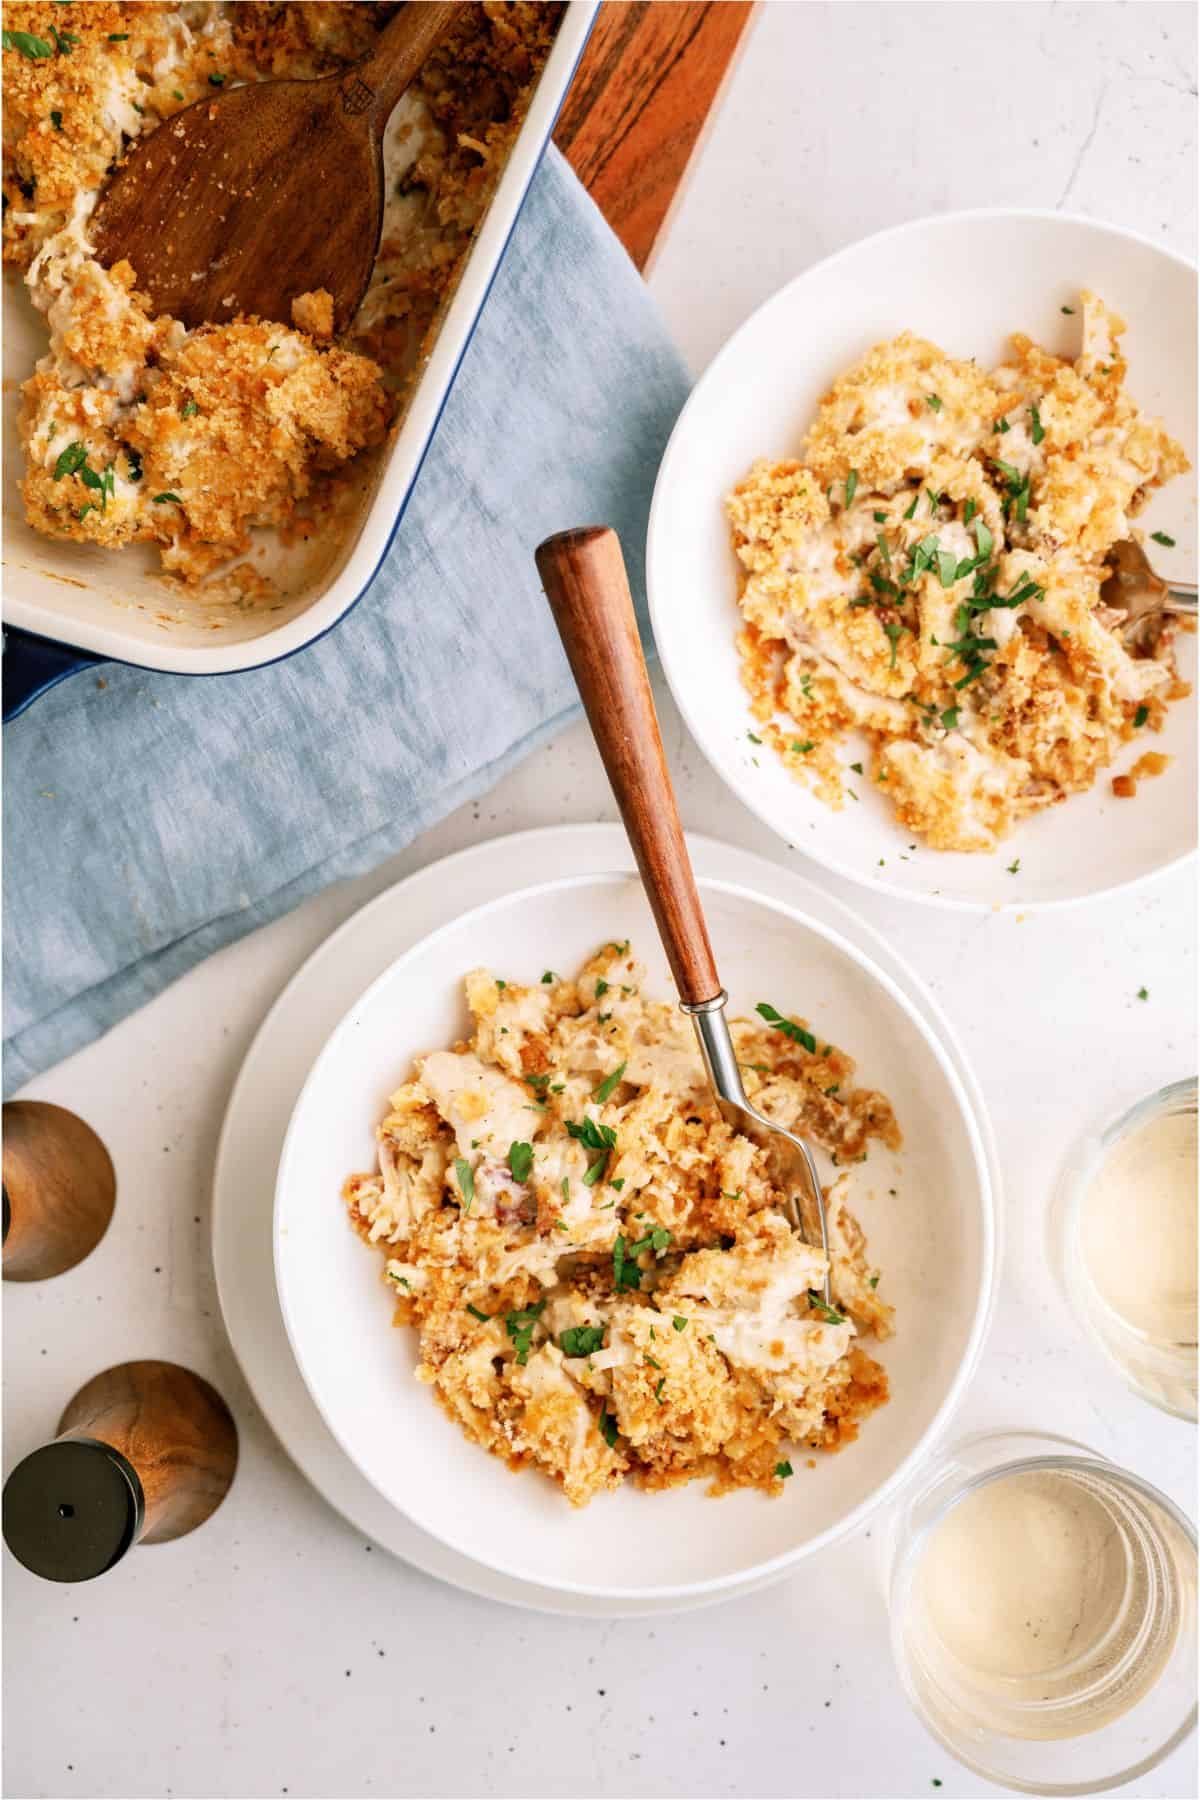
(145, 1452)
(59, 1190)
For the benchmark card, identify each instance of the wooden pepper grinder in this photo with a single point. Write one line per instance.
(145, 1452)
(59, 1190)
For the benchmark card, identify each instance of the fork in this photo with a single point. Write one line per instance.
(583, 573)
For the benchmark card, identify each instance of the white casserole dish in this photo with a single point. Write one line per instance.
(114, 606)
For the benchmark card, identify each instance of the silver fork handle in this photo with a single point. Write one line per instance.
(1181, 598)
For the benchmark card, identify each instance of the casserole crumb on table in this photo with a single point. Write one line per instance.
(136, 429)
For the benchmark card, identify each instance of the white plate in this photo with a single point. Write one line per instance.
(264, 1095)
(935, 1244)
(966, 280)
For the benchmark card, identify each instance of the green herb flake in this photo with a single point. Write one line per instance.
(608, 1428)
(1140, 717)
(851, 486)
(912, 511)
(802, 749)
(1143, 993)
(520, 1160)
(874, 1282)
(581, 1340)
(70, 460)
(118, 37)
(679, 1322)
(549, 976)
(1014, 867)
(476, 1314)
(783, 1470)
(829, 1314)
(188, 410)
(519, 1326)
(753, 739)
(1037, 430)
(797, 1033)
(601, 988)
(933, 402)
(24, 41)
(1065, 309)
(161, 499)
(658, 1392)
(465, 1175)
(857, 767)
(217, 80)
(1164, 538)
(626, 1273)
(56, 119)
(950, 718)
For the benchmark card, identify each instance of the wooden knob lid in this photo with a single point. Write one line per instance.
(146, 1452)
(59, 1190)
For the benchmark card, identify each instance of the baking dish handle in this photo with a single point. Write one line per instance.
(33, 664)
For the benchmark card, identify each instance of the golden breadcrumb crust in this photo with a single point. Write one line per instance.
(602, 1280)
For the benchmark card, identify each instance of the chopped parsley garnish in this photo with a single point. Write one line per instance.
(1143, 993)
(519, 1326)
(133, 462)
(912, 511)
(581, 1340)
(566, 1190)
(969, 511)
(520, 1161)
(947, 567)
(658, 1392)
(608, 1428)
(549, 976)
(476, 1314)
(601, 988)
(1066, 309)
(1037, 430)
(217, 80)
(933, 402)
(1140, 717)
(118, 37)
(874, 1282)
(679, 1322)
(893, 634)
(27, 44)
(1164, 538)
(188, 410)
(753, 739)
(880, 518)
(70, 460)
(851, 486)
(173, 498)
(536, 1082)
(802, 749)
(656, 1239)
(500, 984)
(783, 1470)
(830, 1314)
(797, 1033)
(857, 767)
(466, 1181)
(1014, 867)
(950, 718)
(626, 1273)
(594, 1136)
(56, 119)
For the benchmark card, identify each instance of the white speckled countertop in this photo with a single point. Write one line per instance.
(275, 1652)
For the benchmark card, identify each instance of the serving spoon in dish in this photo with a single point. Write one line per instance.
(583, 573)
(254, 195)
(1133, 587)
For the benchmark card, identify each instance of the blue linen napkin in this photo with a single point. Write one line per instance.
(152, 820)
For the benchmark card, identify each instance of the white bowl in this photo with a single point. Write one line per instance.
(966, 280)
(934, 1242)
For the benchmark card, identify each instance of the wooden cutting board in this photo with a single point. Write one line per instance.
(636, 112)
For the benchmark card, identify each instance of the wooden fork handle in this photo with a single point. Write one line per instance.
(404, 43)
(583, 573)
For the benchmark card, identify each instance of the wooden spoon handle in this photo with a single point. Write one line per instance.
(404, 43)
(583, 574)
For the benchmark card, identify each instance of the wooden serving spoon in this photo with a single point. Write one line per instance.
(254, 195)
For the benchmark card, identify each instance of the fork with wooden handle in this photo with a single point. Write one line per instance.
(583, 573)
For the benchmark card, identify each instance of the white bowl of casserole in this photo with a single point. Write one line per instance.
(966, 283)
(928, 1210)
